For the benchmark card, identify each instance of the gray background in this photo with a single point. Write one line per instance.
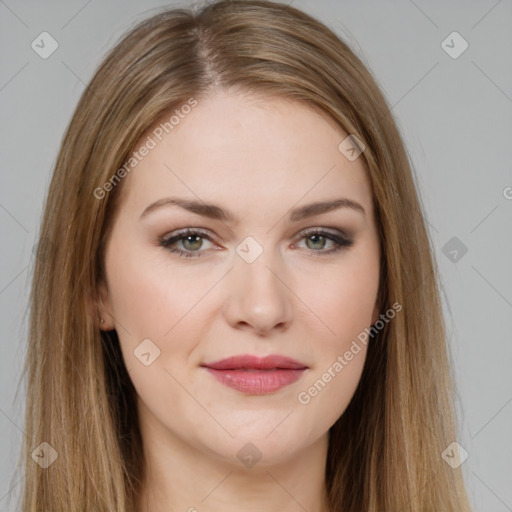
(454, 113)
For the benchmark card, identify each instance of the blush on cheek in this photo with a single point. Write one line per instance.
(344, 315)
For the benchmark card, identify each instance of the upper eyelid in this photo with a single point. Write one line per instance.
(327, 230)
(302, 232)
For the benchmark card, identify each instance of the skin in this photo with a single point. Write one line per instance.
(258, 158)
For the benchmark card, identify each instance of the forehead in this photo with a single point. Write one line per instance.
(245, 149)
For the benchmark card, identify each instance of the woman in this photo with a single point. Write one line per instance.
(237, 305)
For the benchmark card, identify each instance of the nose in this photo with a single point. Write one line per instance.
(258, 298)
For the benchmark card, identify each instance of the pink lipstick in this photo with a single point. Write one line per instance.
(255, 375)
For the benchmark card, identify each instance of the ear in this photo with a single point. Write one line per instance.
(103, 308)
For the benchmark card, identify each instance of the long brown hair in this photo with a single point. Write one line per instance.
(385, 450)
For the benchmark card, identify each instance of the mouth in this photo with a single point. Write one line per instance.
(253, 375)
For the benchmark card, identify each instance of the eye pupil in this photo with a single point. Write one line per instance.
(188, 239)
(316, 239)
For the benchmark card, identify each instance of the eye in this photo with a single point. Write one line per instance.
(192, 240)
(316, 240)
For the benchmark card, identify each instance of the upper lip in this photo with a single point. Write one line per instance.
(249, 362)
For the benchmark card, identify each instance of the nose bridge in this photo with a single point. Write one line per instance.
(257, 294)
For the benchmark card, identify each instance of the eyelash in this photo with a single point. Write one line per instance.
(341, 242)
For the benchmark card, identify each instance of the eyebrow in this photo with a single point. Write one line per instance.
(215, 212)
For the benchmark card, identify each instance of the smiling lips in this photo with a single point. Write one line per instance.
(255, 375)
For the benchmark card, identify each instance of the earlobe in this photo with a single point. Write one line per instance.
(104, 317)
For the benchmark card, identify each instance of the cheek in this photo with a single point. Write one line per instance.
(329, 390)
(154, 300)
(154, 310)
(149, 296)
(342, 296)
(343, 299)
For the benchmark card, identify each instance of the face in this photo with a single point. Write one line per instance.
(258, 272)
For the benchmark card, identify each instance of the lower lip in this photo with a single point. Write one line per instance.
(257, 382)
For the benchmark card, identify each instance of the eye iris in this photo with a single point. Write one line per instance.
(316, 238)
(198, 242)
